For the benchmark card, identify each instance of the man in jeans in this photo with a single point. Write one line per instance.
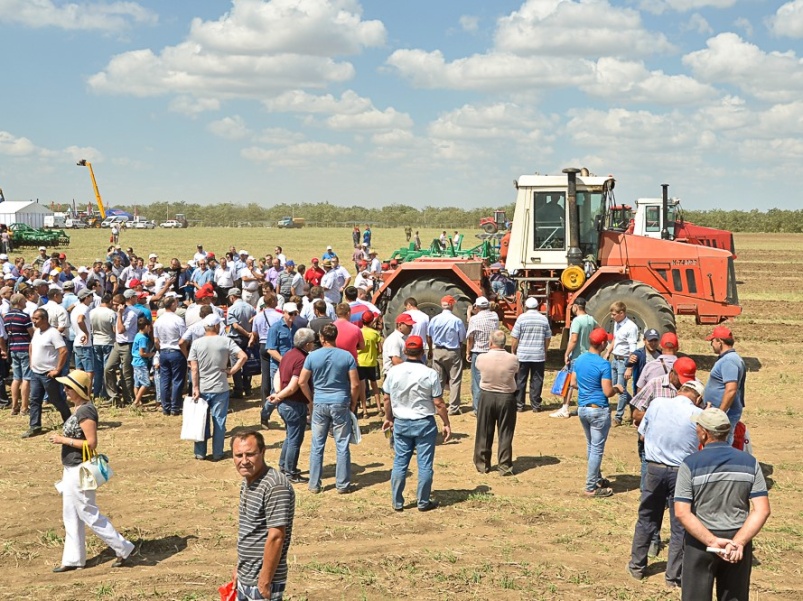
(333, 375)
(624, 343)
(167, 333)
(592, 379)
(238, 318)
(212, 359)
(292, 404)
(82, 344)
(102, 320)
(480, 327)
(19, 330)
(413, 395)
(48, 357)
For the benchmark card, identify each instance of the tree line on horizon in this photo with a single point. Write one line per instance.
(324, 214)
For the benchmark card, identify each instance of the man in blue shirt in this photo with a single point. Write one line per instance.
(278, 343)
(725, 388)
(448, 333)
(332, 372)
(592, 379)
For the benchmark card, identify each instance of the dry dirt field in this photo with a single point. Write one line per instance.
(528, 537)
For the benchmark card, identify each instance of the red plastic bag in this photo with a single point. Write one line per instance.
(228, 592)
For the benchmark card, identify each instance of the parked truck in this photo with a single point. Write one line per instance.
(560, 247)
(291, 222)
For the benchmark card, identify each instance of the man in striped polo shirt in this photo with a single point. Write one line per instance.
(531, 336)
(478, 340)
(19, 329)
(267, 509)
(715, 488)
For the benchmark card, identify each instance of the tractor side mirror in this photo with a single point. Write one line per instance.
(598, 223)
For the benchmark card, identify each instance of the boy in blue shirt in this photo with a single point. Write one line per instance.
(141, 353)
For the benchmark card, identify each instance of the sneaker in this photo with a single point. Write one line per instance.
(31, 432)
(429, 506)
(617, 422)
(506, 472)
(560, 413)
(451, 412)
(654, 550)
(348, 490)
(297, 479)
(673, 584)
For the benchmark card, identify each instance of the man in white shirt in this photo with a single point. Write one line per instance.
(281, 256)
(331, 283)
(167, 332)
(82, 328)
(200, 254)
(102, 321)
(250, 278)
(393, 347)
(421, 319)
(224, 280)
(625, 341)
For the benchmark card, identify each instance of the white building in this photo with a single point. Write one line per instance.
(24, 211)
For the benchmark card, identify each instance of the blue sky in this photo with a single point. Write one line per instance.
(421, 103)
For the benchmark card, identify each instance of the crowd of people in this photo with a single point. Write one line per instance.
(131, 326)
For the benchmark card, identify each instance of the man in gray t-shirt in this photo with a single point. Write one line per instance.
(209, 358)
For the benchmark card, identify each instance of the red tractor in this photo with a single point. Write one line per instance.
(561, 246)
(491, 225)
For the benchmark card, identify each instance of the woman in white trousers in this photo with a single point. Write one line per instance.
(78, 506)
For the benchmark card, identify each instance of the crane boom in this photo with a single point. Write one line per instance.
(101, 208)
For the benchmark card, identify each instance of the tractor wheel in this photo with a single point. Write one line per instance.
(490, 228)
(645, 306)
(428, 292)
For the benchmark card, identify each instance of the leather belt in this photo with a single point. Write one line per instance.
(664, 465)
(446, 348)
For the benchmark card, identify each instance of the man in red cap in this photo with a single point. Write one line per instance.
(725, 387)
(393, 347)
(448, 334)
(413, 396)
(314, 273)
(666, 386)
(660, 365)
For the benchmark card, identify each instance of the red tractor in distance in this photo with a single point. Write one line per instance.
(561, 246)
(491, 225)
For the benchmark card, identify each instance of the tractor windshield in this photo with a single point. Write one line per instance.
(550, 214)
(590, 207)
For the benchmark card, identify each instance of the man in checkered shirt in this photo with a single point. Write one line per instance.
(478, 341)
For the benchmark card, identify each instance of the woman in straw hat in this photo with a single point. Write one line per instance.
(78, 507)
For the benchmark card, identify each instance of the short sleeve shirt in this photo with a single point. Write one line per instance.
(729, 367)
(141, 342)
(291, 365)
(45, 350)
(393, 347)
(214, 355)
(412, 387)
(590, 370)
(330, 369)
(70, 456)
(369, 356)
(349, 337)
(481, 326)
(267, 502)
(582, 325)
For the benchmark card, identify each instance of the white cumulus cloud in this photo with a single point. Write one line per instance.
(469, 23)
(295, 155)
(660, 6)
(772, 76)
(698, 23)
(587, 28)
(230, 128)
(99, 16)
(258, 49)
(192, 107)
(788, 20)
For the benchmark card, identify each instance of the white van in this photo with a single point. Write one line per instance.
(118, 219)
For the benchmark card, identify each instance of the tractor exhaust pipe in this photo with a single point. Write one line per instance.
(574, 255)
(664, 211)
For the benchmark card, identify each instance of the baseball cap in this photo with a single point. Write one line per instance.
(720, 332)
(158, 266)
(212, 320)
(40, 282)
(210, 256)
(204, 292)
(290, 262)
(83, 269)
(134, 283)
(406, 319)
(448, 300)
(651, 334)
(670, 339)
(598, 336)
(61, 256)
(290, 308)
(142, 295)
(68, 284)
(83, 293)
(696, 386)
(328, 248)
(243, 252)
(686, 369)
(368, 317)
(3, 257)
(235, 292)
(481, 302)
(314, 259)
(414, 343)
(713, 420)
(531, 302)
(153, 256)
(130, 293)
(54, 288)
(42, 248)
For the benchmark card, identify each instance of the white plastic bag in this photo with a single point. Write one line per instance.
(356, 435)
(193, 424)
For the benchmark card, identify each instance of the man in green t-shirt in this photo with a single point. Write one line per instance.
(581, 326)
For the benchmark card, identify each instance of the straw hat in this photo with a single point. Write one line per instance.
(78, 381)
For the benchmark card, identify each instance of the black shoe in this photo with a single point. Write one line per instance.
(175, 413)
(429, 506)
(61, 569)
(348, 490)
(119, 562)
(398, 509)
(506, 472)
(297, 479)
(31, 432)
(520, 409)
(536, 409)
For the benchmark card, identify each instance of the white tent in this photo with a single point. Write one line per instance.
(23, 211)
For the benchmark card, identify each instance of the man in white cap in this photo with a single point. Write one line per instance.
(478, 340)
(40, 260)
(721, 501)
(531, 336)
(278, 343)
(167, 332)
(212, 359)
(80, 282)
